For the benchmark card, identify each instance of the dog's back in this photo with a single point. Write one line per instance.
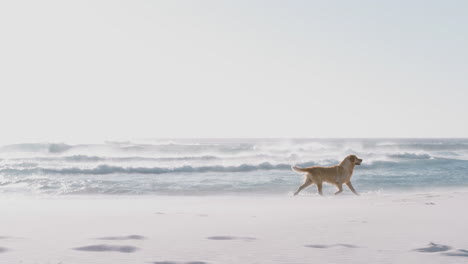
(319, 174)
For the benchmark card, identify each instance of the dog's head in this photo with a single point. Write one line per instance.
(354, 159)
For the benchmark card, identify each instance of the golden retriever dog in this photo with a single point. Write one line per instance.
(336, 175)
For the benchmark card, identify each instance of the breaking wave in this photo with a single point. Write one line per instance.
(106, 169)
(205, 166)
(86, 158)
(37, 147)
(407, 155)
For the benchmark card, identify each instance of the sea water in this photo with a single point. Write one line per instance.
(227, 166)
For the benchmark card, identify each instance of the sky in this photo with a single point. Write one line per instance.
(91, 70)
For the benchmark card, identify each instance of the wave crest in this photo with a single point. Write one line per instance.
(107, 169)
(408, 155)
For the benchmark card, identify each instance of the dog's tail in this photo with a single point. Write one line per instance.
(299, 169)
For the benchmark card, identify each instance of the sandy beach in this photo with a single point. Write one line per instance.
(178, 132)
(419, 227)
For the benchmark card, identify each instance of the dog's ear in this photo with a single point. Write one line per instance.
(352, 158)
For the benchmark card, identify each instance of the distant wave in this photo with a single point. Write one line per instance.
(106, 169)
(57, 148)
(37, 147)
(407, 155)
(431, 146)
(90, 158)
(87, 158)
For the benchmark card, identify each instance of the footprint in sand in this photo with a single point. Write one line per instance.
(333, 245)
(2, 249)
(130, 237)
(433, 247)
(231, 238)
(317, 246)
(106, 248)
(458, 253)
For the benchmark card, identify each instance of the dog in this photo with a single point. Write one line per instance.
(336, 175)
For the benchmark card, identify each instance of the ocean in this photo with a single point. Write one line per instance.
(227, 166)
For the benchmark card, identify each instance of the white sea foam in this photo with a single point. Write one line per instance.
(220, 165)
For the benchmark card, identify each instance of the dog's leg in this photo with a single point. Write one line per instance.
(340, 188)
(352, 188)
(319, 188)
(305, 184)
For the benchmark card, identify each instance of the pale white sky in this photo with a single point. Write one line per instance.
(82, 70)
